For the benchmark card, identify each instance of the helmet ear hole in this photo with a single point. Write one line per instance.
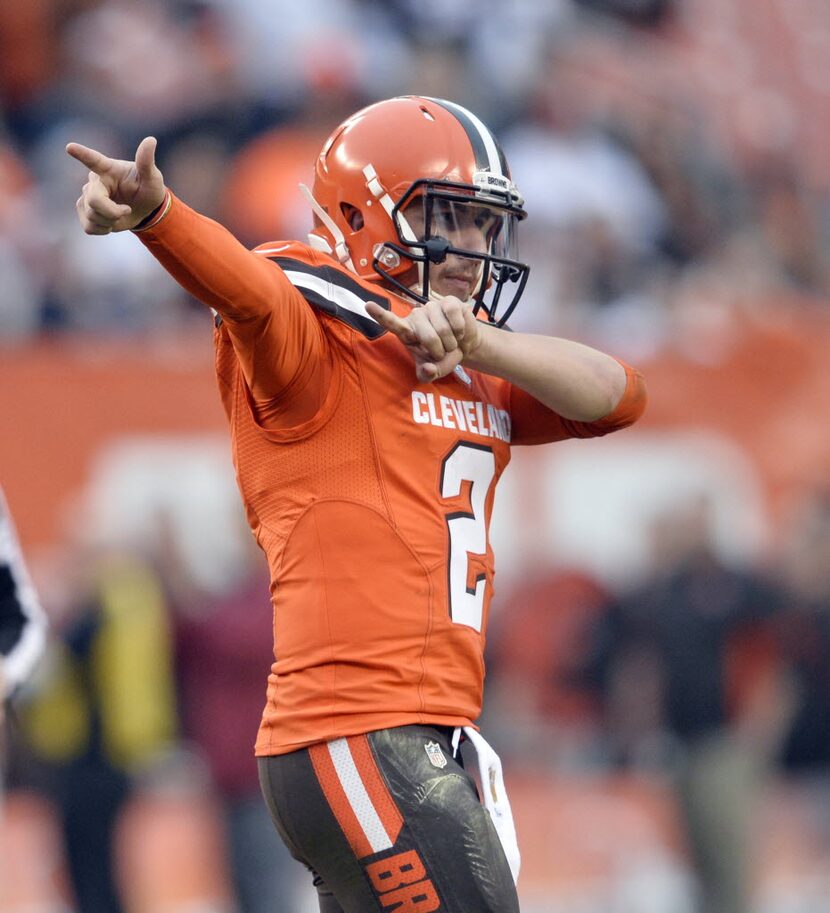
(353, 216)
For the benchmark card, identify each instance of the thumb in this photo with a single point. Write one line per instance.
(427, 371)
(145, 157)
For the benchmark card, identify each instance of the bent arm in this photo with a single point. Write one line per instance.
(575, 381)
(579, 390)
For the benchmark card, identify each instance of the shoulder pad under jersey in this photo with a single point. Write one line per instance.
(328, 286)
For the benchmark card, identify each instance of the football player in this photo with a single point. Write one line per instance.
(369, 485)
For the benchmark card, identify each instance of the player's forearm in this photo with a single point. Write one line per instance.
(574, 380)
(208, 261)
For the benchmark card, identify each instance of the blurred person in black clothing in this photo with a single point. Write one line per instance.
(804, 633)
(22, 620)
(102, 714)
(804, 639)
(664, 658)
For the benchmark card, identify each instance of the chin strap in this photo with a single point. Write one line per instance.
(379, 192)
(341, 249)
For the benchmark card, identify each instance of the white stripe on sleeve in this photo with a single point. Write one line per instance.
(342, 297)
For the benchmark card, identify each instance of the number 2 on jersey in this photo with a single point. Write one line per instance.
(468, 530)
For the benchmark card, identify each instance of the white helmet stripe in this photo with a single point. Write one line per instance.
(480, 137)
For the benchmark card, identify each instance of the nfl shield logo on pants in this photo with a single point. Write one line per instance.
(435, 755)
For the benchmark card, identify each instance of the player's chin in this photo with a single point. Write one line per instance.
(457, 288)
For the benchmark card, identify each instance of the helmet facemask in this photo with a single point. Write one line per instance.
(475, 225)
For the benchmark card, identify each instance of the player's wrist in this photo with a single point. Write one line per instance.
(475, 345)
(156, 215)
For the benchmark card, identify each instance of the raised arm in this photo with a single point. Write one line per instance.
(199, 253)
(273, 332)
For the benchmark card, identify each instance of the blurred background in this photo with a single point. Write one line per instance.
(659, 645)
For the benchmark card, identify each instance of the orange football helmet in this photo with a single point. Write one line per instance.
(395, 182)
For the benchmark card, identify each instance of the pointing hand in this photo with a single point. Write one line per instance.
(119, 194)
(438, 335)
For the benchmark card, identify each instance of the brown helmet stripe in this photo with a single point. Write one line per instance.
(486, 149)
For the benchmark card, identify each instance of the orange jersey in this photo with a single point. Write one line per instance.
(369, 492)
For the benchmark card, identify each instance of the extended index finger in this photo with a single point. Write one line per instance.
(391, 322)
(94, 160)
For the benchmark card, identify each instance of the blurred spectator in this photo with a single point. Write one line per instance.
(22, 620)
(289, 56)
(697, 185)
(223, 649)
(103, 714)
(468, 51)
(189, 71)
(28, 49)
(535, 650)
(804, 639)
(20, 259)
(597, 216)
(789, 227)
(665, 657)
(804, 634)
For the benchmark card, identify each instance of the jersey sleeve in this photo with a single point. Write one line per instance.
(277, 339)
(22, 620)
(533, 423)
